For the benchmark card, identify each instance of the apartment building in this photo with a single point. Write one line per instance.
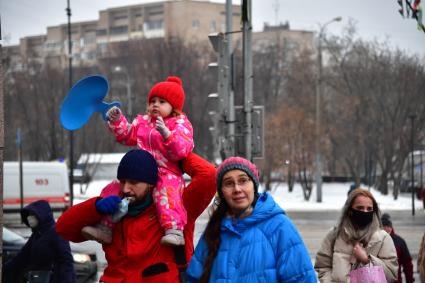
(29, 50)
(187, 19)
(293, 42)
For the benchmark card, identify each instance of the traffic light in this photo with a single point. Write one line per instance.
(408, 8)
(401, 10)
(257, 131)
(221, 69)
(412, 7)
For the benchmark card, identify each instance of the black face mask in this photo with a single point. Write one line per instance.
(360, 218)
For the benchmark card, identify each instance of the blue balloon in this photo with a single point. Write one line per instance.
(85, 98)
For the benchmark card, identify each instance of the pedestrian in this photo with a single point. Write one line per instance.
(135, 254)
(353, 186)
(166, 133)
(403, 254)
(45, 255)
(356, 241)
(421, 260)
(248, 238)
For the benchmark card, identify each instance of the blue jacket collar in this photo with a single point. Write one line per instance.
(264, 209)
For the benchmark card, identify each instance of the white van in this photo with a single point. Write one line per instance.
(41, 180)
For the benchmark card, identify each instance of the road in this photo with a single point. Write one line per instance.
(313, 226)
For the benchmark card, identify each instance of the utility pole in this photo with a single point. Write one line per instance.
(71, 134)
(229, 75)
(318, 121)
(412, 165)
(247, 72)
(21, 171)
(422, 169)
(2, 79)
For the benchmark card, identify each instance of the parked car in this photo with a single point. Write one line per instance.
(85, 262)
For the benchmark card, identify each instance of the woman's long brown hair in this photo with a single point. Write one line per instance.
(212, 238)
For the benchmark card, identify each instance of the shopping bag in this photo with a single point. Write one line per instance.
(368, 274)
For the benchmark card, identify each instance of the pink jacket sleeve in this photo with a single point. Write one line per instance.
(124, 132)
(180, 143)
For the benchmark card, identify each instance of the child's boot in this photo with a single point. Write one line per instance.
(173, 237)
(99, 233)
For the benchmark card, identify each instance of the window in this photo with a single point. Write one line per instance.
(101, 32)
(120, 16)
(88, 56)
(89, 38)
(155, 10)
(213, 26)
(102, 48)
(136, 13)
(195, 24)
(157, 24)
(119, 29)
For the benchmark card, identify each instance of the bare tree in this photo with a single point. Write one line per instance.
(380, 86)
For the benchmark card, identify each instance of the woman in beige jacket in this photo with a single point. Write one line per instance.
(357, 241)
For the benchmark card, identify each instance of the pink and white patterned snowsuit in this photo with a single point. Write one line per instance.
(167, 194)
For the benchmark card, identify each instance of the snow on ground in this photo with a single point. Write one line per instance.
(333, 197)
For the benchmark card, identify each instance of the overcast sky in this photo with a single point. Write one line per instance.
(375, 19)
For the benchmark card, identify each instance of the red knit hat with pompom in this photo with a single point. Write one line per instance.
(171, 90)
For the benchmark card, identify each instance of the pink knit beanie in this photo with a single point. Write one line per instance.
(238, 163)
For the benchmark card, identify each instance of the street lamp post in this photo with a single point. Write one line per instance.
(127, 83)
(318, 96)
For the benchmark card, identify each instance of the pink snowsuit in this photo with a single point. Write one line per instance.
(167, 194)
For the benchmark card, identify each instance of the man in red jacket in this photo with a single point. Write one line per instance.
(135, 254)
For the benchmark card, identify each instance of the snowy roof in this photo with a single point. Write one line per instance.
(102, 158)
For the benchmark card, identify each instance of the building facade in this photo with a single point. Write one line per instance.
(189, 20)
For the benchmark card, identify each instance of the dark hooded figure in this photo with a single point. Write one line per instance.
(46, 254)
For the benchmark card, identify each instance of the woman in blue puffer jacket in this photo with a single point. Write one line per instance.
(248, 238)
